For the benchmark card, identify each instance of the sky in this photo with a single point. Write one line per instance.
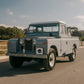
(21, 13)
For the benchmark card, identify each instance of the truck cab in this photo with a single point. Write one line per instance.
(43, 42)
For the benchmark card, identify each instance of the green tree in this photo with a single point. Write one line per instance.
(10, 32)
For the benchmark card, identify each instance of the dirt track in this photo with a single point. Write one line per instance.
(64, 72)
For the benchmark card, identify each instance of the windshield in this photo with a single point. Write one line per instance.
(50, 29)
(45, 28)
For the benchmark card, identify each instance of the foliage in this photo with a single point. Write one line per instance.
(76, 33)
(82, 38)
(7, 33)
(80, 34)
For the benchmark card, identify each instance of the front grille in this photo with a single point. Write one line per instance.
(28, 44)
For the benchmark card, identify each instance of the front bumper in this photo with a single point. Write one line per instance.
(27, 55)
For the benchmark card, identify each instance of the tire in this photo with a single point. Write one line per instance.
(49, 63)
(72, 56)
(15, 62)
(29, 60)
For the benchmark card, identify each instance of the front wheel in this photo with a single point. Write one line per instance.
(49, 63)
(72, 56)
(15, 62)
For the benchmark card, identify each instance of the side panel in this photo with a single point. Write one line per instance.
(39, 44)
(63, 45)
(71, 42)
(55, 42)
(13, 45)
(67, 44)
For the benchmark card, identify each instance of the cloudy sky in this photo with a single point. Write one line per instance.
(23, 12)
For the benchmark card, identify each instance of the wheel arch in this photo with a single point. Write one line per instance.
(74, 46)
(55, 48)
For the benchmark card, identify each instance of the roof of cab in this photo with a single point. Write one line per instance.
(47, 23)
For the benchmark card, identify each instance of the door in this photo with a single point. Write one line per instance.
(63, 40)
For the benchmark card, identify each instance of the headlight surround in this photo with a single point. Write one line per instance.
(39, 51)
(21, 41)
(34, 41)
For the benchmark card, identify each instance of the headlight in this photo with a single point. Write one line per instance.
(39, 51)
(21, 41)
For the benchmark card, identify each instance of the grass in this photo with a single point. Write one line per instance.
(2, 53)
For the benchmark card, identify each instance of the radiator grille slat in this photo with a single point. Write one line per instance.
(28, 44)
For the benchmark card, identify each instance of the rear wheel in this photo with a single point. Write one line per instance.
(15, 62)
(49, 63)
(72, 56)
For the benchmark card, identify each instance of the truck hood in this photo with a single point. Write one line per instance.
(35, 37)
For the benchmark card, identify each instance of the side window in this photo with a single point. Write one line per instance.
(62, 29)
(65, 30)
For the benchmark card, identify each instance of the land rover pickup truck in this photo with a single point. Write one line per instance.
(43, 42)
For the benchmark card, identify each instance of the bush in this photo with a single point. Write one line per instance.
(82, 38)
(7, 33)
